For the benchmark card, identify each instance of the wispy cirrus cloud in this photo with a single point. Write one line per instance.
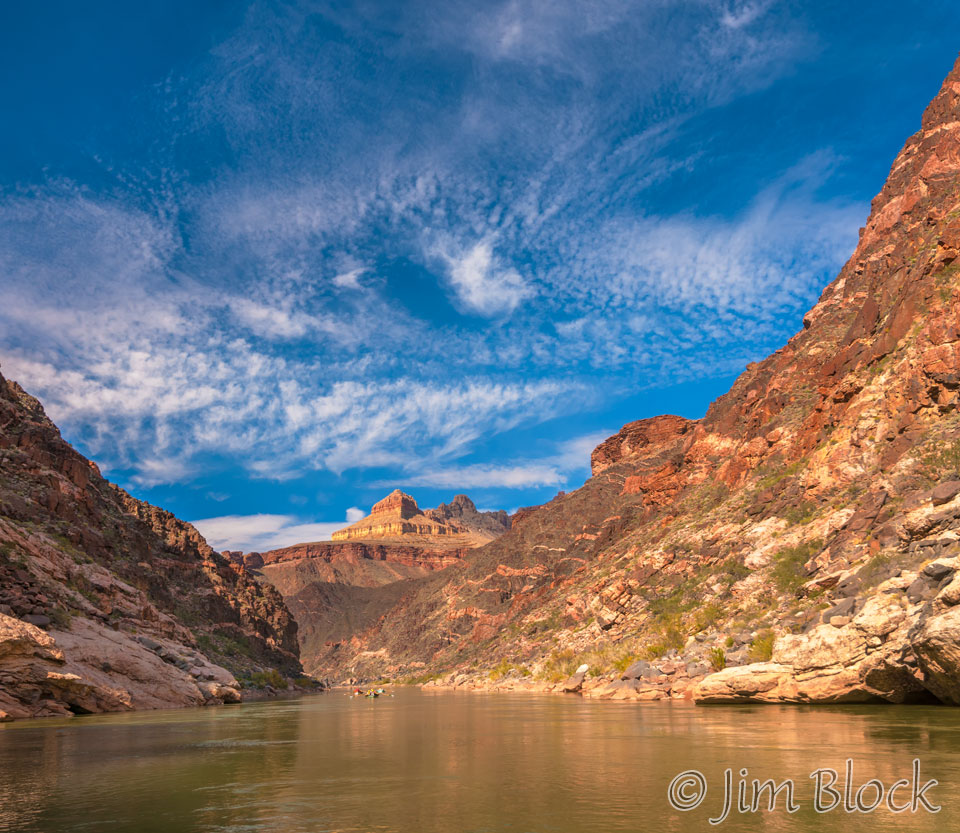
(332, 261)
(569, 461)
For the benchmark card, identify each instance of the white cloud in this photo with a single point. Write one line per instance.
(355, 514)
(260, 533)
(404, 421)
(525, 476)
(161, 471)
(350, 279)
(160, 324)
(771, 258)
(741, 14)
(269, 321)
(482, 284)
(569, 461)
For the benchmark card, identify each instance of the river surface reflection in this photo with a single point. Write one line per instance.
(420, 762)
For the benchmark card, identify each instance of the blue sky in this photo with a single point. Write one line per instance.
(266, 262)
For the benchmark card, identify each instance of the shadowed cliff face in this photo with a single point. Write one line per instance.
(108, 603)
(792, 490)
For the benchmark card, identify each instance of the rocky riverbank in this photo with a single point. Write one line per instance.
(873, 639)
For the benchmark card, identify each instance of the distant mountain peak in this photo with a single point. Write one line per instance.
(399, 517)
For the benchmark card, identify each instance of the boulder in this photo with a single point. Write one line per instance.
(636, 670)
(845, 607)
(921, 590)
(939, 570)
(620, 690)
(760, 683)
(937, 648)
(574, 683)
(945, 492)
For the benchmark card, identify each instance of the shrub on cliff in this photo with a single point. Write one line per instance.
(788, 571)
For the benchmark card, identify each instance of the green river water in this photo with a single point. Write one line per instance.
(455, 762)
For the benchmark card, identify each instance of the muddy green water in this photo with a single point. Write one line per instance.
(458, 762)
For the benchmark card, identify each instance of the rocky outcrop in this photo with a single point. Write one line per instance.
(636, 438)
(339, 554)
(859, 662)
(108, 603)
(574, 683)
(91, 668)
(397, 517)
(899, 648)
(462, 512)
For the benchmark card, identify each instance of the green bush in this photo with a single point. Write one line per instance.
(273, 678)
(223, 645)
(761, 649)
(61, 617)
(803, 513)
(707, 616)
(788, 573)
(504, 668)
(559, 665)
(672, 638)
(421, 679)
(772, 474)
(718, 659)
(734, 570)
(625, 661)
(943, 455)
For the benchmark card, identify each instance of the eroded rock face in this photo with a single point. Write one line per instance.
(87, 572)
(937, 647)
(860, 662)
(901, 647)
(640, 437)
(361, 562)
(462, 512)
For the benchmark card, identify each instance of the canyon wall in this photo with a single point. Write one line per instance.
(108, 603)
(809, 520)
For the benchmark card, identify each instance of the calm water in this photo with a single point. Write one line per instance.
(457, 762)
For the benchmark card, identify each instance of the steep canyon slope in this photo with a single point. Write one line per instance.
(812, 514)
(108, 603)
(337, 589)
